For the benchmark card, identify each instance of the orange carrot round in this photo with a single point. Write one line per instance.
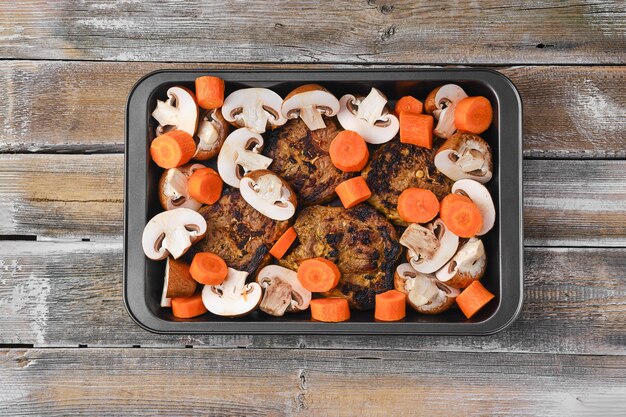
(283, 243)
(208, 268)
(188, 307)
(460, 215)
(473, 298)
(417, 205)
(473, 114)
(330, 310)
(353, 191)
(390, 306)
(416, 129)
(205, 186)
(210, 92)
(348, 151)
(409, 104)
(318, 274)
(172, 149)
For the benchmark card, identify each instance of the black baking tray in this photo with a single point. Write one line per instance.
(143, 278)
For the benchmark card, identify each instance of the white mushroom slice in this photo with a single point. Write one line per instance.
(240, 154)
(269, 194)
(482, 198)
(424, 292)
(233, 297)
(468, 265)
(172, 232)
(254, 108)
(465, 155)
(430, 247)
(179, 111)
(282, 291)
(446, 100)
(173, 191)
(368, 117)
(310, 102)
(211, 134)
(178, 282)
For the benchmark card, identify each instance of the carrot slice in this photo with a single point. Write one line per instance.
(188, 307)
(318, 274)
(353, 191)
(172, 149)
(473, 298)
(473, 114)
(416, 129)
(460, 215)
(390, 306)
(210, 92)
(208, 268)
(417, 205)
(409, 104)
(330, 310)
(348, 151)
(205, 186)
(283, 243)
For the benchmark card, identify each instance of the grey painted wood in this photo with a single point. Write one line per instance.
(403, 31)
(223, 382)
(70, 293)
(569, 112)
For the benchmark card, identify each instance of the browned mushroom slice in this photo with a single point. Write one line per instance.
(430, 247)
(282, 291)
(211, 134)
(178, 281)
(466, 266)
(425, 293)
(173, 191)
(465, 155)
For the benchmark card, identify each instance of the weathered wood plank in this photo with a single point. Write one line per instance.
(66, 294)
(371, 31)
(567, 203)
(79, 106)
(307, 383)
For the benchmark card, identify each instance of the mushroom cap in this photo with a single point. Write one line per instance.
(233, 297)
(291, 297)
(422, 256)
(465, 155)
(370, 118)
(173, 191)
(429, 103)
(253, 108)
(425, 294)
(479, 194)
(269, 194)
(310, 102)
(240, 154)
(172, 232)
(178, 281)
(179, 111)
(466, 266)
(211, 134)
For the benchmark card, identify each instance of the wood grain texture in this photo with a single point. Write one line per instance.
(566, 203)
(445, 32)
(155, 382)
(79, 106)
(66, 294)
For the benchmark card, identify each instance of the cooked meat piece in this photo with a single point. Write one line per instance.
(238, 233)
(396, 166)
(360, 241)
(301, 157)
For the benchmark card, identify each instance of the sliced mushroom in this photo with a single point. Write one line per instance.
(446, 99)
(430, 247)
(465, 155)
(233, 297)
(254, 108)
(240, 154)
(482, 198)
(211, 134)
(172, 232)
(368, 116)
(282, 291)
(429, 104)
(310, 102)
(424, 292)
(179, 111)
(468, 265)
(178, 282)
(173, 191)
(269, 194)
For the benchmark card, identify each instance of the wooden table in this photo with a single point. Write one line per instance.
(68, 345)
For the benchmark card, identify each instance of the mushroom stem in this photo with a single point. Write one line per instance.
(372, 107)
(312, 117)
(178, 242)
(251, 161)
(258, 115)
